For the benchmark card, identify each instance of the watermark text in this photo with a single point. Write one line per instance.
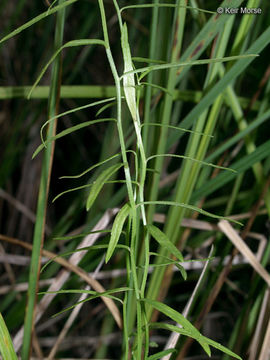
(240, 11)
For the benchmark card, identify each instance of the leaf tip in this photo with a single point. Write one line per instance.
(34, 155)
(29, 94)
(107, 258)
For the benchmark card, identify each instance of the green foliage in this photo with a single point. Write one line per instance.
(99, 183)
(199, 118)
(117, 230)
(181, 320)
(163, 240)
(6, 346)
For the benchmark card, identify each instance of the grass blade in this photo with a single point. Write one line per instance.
(43, 193)
(37, 19)
(229, 77)
(72, 43)
(240, 166)
(6, 346)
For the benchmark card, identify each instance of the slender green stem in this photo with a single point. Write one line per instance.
(133, 244)
(43, 193)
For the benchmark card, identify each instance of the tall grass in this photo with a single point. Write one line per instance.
(176, 132)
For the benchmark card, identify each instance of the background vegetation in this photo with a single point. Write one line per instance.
(212, 113)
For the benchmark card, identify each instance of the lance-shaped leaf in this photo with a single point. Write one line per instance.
(72, 111)
(117, 230)
(68, 131)
(163, 240)
(180, 319)
(98, 184)
(182, 331)
(128, 80)
(221, 348)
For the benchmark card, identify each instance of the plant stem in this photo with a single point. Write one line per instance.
(43, 192)
(133, 244)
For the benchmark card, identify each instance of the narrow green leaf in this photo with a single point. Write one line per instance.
(105, 107)
(145, 6)
(240, 166)
(171, 262)
(192, 159)
(177, 128)
(221, 348)
(112, 297)
(72, 43)
(174, 315)
(90, 168)
(83, 291)
(68, 131)
(182, 331)
(128, 79)
(147, 69)
(72, 111)
(163, 241)
(233, 140)
(6, 346)
(180, 319)
(228, 78)
(37, 19)
(169, 327)
(98, 184)
(157, 87)
(190, 207)
(117, 230)
(148, 60)
(160, 354)
(105, 294)
(71, 190)
(89, 185)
